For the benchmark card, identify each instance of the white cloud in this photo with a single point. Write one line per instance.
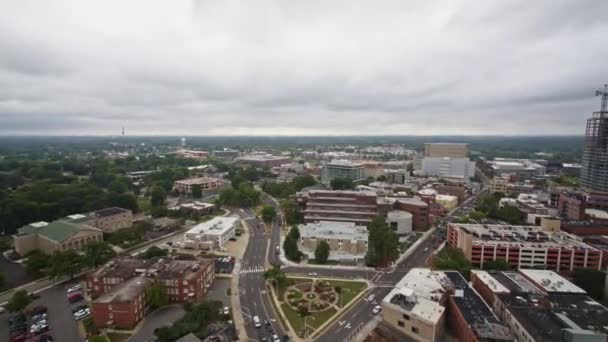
(315, 67)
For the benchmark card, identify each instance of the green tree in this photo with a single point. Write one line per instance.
(292, 214)
(509, 214)
(340, 183)
(119, 185)
(294, 233)
(156, 295)
(290, 246)
(381, 178)
(154, 252)
(158, 195)
(65, 263)
(36, 263)
(383, 245)
(451, 258)
(97, 253)
(498, 265)
(590, 280)
(268, 213)
(322, 252)
(197, 192)
(277, 276)
(19, 301)
(477, 215)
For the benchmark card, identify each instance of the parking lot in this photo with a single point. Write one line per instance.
(63, 326)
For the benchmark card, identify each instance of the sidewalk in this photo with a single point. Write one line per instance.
(235, 300)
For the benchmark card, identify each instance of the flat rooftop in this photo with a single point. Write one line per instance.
(217, 225)
(198, 180)
(551, 282)
(125, 292)
(261, 157)
(475, 310)
(334, 230)
(522, 236)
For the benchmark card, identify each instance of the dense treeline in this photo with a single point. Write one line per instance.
(47, 201)
(283, 190)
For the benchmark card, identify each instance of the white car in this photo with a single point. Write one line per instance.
(226, 310)
(82, 314)
(313, 274)
(275, 338)
(376, 309)
(371, 297)
(74, 288)
(426, 249)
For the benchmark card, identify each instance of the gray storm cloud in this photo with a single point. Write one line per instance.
(290, 67)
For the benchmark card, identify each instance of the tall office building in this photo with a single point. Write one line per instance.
(594, 171)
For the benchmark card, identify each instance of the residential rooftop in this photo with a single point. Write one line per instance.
(125, 292)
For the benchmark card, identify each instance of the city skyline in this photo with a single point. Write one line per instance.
(283, 69)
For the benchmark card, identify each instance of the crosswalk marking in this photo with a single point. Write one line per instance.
(252, 270)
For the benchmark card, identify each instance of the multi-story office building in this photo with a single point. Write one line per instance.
(225, 154)
(448, 167)
(360, 207)
(211, 234)
(347, 241)
(419, 210)
(262, 160)
(540, 305)
(184, 186)
(192, 154)
(523, 169)
(523, 247)
(400, 221)
(342, 168)
(499, 184)
(111, 219)
(396, 176)
(449, 150)
(572, 206)
(594, 171)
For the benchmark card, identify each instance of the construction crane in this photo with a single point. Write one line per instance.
(604, 94)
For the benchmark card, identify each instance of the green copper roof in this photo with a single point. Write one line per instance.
(57, 231)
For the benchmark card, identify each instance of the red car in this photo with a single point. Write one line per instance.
(75, 297)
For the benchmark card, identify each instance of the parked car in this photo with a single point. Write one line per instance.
(74, 298)
(275, 338)
(226, 310)
(37, 310)
(376, 309)
(74, 288)
(82, 314)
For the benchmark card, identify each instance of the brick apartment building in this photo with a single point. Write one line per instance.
(360, 207)
(123, 306)
(572, 206)
(112, 219)
(190, 279)
(523, 247)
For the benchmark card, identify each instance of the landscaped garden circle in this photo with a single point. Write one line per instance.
(314, 296)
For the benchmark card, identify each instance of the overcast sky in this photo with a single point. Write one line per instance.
(301, 67)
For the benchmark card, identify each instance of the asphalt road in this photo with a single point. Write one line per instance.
(252, 291)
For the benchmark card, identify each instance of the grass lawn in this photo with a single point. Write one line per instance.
(118, 337)
(350, 289)
(314, 320)
(143, 203)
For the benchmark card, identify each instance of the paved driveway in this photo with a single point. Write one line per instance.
(157, 319)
